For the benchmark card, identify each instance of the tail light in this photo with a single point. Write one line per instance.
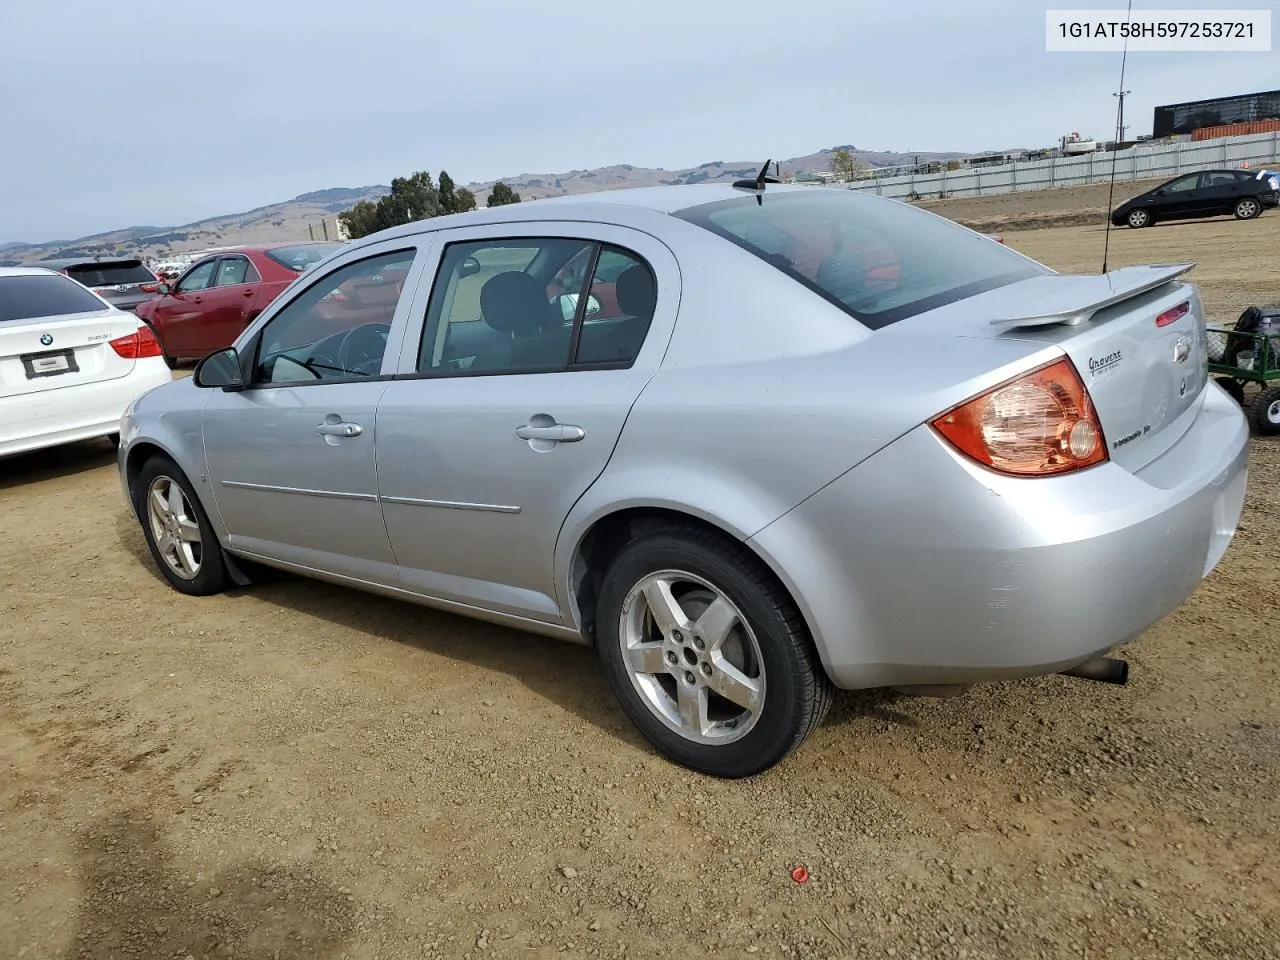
(1037, 425)
(1172, 314)
(138, 345)
(147, 288)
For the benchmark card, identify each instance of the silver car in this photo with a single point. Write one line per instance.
(787, 440)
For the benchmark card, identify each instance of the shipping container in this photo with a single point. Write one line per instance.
(1236, 129)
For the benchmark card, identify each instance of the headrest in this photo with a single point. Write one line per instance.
(636, 293)
(515, 302)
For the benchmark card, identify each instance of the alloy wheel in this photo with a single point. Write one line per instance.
(692, 657)
(174, 527)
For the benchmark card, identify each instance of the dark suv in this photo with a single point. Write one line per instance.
(1209, 193)
(122, 283)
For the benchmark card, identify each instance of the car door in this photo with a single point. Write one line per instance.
(177, 315)
(1217, 193)
(1180, 198)
(491, 433)
(290, 457)
(226, 305)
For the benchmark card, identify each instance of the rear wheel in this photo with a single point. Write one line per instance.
(1138, 219)
(707, 654)
(1266, 412)
(178, 531)
(1247, 208)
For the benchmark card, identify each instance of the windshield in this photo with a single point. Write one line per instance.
(43, 295)
(110, 274)
(878, 260)
(304, 256)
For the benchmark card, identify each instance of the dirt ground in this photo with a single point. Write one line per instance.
(299, 771)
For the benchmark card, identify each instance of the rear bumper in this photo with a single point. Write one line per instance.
(919, 567)
(81, 412)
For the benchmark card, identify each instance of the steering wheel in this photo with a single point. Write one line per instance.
(362, 348)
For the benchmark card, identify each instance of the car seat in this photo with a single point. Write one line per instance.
(637, 297)
(533, 332)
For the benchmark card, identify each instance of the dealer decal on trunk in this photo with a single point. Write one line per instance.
(1104, 363)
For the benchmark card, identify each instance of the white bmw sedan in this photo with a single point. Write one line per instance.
(69, 361)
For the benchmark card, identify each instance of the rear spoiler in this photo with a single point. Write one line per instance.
(1075, 299)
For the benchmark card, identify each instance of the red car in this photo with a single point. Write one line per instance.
(221, 294)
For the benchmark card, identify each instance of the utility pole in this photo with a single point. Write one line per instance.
(1120, 124)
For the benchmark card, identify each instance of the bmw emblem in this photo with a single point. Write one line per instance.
(46, 338)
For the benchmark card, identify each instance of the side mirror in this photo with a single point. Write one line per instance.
(470, 267)
(221, 369)
(568, 303)
(164, 289)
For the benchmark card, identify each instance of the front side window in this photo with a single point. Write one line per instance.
(199, 277)
(1183, 184)
(879, 261)
(337, 327)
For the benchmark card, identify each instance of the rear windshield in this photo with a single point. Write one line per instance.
(110, 274)
(43, 295)
(881, 261)
(302, 257)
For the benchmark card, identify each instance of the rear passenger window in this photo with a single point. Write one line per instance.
(620, 304)
(232, 271)
(535, 305)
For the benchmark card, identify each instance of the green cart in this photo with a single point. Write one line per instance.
(1244, 359)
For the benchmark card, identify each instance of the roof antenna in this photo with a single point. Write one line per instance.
(757, 185)
(1115, 147)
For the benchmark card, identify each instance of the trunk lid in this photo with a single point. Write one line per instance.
(119, 282)
(1136, 336)
(49, 353)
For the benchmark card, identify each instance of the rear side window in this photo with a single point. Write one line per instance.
(878, 260)
(31, 297)
(110, 274)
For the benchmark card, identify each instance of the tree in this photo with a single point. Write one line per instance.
(845, 165)
(411, 198)
(465, 200)
(501, 195)
(448, 195)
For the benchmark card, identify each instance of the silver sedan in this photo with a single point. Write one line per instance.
(751, 445)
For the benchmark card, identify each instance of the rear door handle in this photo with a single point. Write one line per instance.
(556, 432)
(339, 429)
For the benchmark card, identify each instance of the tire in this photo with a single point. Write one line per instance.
(1138, 219)
(182, 542)
(170, 362)
(763, 654)
(1247, 208)
(114, 440)
(1234, 388)
(1265, 413)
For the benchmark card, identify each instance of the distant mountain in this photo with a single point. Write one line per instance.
(288, 220)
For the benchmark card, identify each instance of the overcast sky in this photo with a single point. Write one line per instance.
(140, 112)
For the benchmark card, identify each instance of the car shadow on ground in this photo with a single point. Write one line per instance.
(558, 671)
(136, 901)
(55, 463)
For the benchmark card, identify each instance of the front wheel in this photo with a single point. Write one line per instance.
(1247, 208)
(707, 654)
(177, 530)
(1138, 219)
(1266, 412)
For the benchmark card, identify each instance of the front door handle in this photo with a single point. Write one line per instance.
(339, 429)
(555, 432)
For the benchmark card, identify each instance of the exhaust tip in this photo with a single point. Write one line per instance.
(1102, 670)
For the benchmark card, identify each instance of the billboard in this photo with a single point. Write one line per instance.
(1183, 118)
